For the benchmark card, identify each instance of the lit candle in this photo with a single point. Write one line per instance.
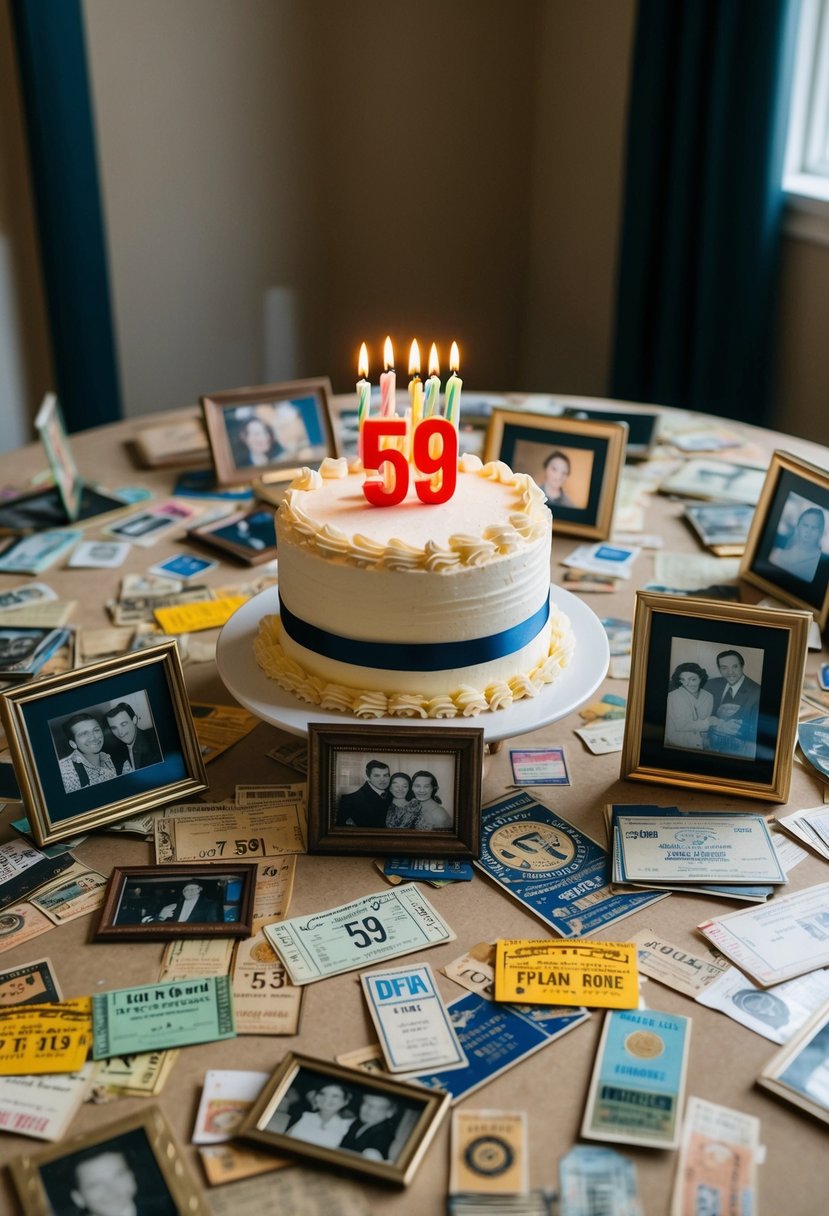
(415, 386)
(388, 381)
(432, 384)
(363, 395)
(453, 387)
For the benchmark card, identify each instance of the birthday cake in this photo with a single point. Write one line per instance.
(413, 610)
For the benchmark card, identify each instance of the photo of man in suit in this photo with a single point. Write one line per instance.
(192, 906)
(737, 705)
(372, 1132)
(139, 747)
(367, 806)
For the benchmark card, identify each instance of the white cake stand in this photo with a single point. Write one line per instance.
(252, 688)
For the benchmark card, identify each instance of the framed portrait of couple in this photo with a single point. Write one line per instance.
(269, 431)
(575, 461)
(787, 551)
(403, 791)
(714, 693)
(103, 742)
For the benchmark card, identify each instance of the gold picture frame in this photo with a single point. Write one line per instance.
(714, 692)
(124, 720)
(798, 1071)
(779, 560)
(141, 1145)
(584, 457)
(270, 430)
(416, 1116)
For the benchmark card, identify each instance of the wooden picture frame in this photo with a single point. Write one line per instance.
(142, 902)
(345, 805)
(272, 429)
(244, 536)
(415, 1115)
(140, 1148)
(799, 1071)
(787, 551)
(583, 457)
(641, 425)
(684, 725)
(79, 762)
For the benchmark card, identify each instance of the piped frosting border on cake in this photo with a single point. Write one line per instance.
(464, 702)
(528, 522)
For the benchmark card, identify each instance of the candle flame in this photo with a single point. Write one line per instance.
(454, 358)
(388, 354)
(434, 362)
(414, 358)
(362, 363)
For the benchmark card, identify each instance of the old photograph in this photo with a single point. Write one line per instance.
(105, 740)
(714, 698)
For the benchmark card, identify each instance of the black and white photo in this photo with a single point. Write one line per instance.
(713, 700)
(152, 902)
(105, 741)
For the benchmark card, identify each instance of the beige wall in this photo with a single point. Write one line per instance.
(25, 355)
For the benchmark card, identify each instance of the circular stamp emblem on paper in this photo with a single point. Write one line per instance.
(10, 922)
(644, 1044)
(532, 846)
(489, 1155)
(262, 952)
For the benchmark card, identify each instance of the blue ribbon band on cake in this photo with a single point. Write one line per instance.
(413, 656)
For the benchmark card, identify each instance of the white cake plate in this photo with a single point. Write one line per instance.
(250, 686)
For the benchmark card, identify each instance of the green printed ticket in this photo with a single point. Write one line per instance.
(156, 1016)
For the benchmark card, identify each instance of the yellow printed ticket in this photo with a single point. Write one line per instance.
(567, 973)
(206, 614)
(45, 1038)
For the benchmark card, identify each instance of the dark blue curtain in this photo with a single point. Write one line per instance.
(56, 97)
(695, 309)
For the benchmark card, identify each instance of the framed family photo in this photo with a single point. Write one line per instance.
(103, 742)
(576, 462)
(152, 903)
(132, 1165)
(787, 551)
(401, 791)
(273, 429)
(249, 536)
(366, 1123)
(799, 1072)
(714, 694)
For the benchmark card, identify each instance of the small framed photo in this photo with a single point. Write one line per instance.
(130, 1165)
(273, 429)
(799, 1072)
(717, 480)
(401, 791)
(714, 694)
(641, 426)
(249, 536)
(787, 551)
(576, 462)
(352, 1120)
(23, 652)
(151, 903)
(104, 742)
(721, 527)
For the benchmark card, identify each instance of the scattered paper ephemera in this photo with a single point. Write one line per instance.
(777, 1013)
(776, 941)
(227, 1096)
(214, 832)
(539, 766)
(137, 1076)
(49, 1038)
(19, 924)
(638, 1081)
(567, 973)
(32, 983)
(206, 614)
(353, 935)
(603, 737)
(718, 1159)
(614, 560)
(264, 999)
(156, 1016)
(475, 970)
(679, 969)
(489, 1154)
(411, 1020)
(43, 1106)
(596, 1180)
(218, 727)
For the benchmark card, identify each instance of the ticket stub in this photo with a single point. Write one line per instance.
(435, 870)
(220, 726)
(356, 934)
(253, 795)
(777, 941)
(231, 1162)
(20, 924)
(190, 618)
(42, 1107)
(196, 957)
(597, 1181)
(475, 970)
(264, 999)
(139, 1076)
(676, 968)
(32, 984)
(539, 766)
(274, 888)
(76, 893)
(636, 1090)
(411, 1020)
(604, 737)
(23, 869)
(236, 834)
(567, 973)
(52, 1037)
(717, 1161)
(489, 1152)
(156, 1016)
(226, 1098)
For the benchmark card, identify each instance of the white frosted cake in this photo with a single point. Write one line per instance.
(414, 610)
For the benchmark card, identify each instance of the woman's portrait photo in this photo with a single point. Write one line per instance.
(713, 698)
(802, 538)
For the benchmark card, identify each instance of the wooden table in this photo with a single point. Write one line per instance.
(725, 1058)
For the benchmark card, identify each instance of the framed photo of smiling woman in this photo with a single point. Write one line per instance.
(103, 742)
(787, 550)
(714, 691)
